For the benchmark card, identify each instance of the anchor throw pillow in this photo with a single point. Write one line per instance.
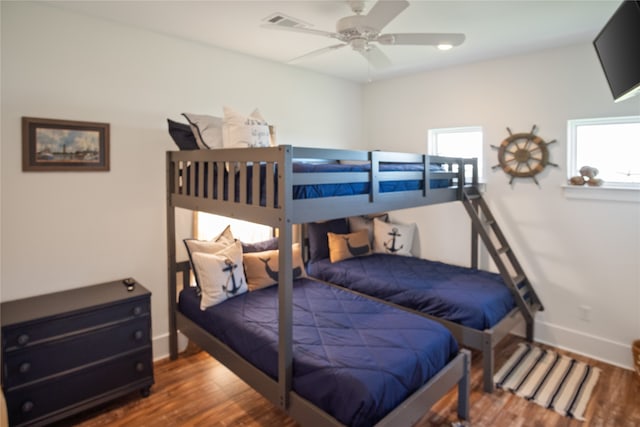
(221, 241)
(220, 274)
(393, 239)
(345, 246)
(261, 268)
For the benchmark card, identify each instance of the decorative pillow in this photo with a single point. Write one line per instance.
(261, 268)
(239, 131)
(266, 245)
(365, 222)
(317, 234)
(182, 135)
(221, 241)
(206, 129)
(345, 246)
(220, 275)
(395, 239)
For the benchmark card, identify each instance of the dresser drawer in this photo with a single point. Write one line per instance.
(55, 357)
(44, 329)
(80, 389)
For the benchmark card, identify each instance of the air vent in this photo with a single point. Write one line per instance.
(282, 20)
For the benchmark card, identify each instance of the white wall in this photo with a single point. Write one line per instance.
(65, 230)
(576, 252)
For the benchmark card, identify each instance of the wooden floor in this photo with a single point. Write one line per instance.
(196, 390)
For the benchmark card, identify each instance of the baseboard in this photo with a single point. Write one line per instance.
(611, 352)
(161, 345)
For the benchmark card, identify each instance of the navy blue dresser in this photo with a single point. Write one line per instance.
(65, 352)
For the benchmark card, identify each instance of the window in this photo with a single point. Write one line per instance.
(209, 225)
(612, 145)
(457, 142)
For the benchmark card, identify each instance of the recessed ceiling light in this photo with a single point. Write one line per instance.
(445, 46)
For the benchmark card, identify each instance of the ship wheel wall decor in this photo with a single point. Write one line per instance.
(523, 155)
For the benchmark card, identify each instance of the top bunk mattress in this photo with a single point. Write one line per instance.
(474, 298)
(320, 189)
(354, 358)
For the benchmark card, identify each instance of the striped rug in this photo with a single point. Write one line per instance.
(549, 379)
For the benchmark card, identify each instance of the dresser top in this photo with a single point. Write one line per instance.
(71, 300)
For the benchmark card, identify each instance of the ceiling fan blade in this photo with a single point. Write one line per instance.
(376, 57)
(318, 52)
(430, 39)
(383, 12)
(303, 30)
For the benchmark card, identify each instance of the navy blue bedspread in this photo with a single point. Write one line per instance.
(473, 298)
(354, 358)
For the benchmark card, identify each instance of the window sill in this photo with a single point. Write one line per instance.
(605, 193)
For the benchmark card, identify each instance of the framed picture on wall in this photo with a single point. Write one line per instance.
(50, 145)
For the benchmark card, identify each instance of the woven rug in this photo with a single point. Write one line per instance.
(549, 379)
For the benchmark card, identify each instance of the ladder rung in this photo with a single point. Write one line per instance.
(517, 280)
(472, 196)
(489, 222)
(503, 249)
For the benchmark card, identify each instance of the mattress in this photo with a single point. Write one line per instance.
(474, 298)
(313, 191)
(354, 358)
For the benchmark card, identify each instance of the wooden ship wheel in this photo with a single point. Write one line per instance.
(523, 155)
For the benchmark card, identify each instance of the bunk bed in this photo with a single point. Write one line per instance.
(266, 185)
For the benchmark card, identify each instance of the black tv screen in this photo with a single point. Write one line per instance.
(618, 48)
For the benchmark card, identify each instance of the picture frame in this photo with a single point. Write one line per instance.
(51, 145)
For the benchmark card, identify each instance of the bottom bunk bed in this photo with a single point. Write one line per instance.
(355, 361)
(475, 305)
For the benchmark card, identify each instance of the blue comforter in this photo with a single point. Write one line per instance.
(354, 358)
(473, 298)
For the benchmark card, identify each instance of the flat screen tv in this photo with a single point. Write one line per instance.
(618, 48)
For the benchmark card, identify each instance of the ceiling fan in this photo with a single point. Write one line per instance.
(361, 32)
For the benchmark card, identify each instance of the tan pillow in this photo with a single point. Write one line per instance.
(261, 268)
(345, 246)
(366, 222)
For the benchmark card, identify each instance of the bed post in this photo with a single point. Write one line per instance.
(464, 386)
(171, 260)
(474, 230)
(487, 361)
(285, 276)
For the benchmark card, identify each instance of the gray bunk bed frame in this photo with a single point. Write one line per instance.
(282, 215)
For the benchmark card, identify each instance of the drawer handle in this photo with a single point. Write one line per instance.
(23, 339)
(27, 407)
(138, 335)
(24, 367)
(137, 310)
(139, 367)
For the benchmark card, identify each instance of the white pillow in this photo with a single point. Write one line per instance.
(395, 239)
(221, 241)
(239, 131)
(262, 267)
(206, 129)
(212, 246)
(221, 275)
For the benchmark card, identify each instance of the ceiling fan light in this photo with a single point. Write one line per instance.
(444, 46)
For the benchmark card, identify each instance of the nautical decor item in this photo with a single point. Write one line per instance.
(523, 155)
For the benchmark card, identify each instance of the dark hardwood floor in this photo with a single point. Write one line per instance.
(196, 390)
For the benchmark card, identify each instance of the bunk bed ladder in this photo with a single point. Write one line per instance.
(510, 269)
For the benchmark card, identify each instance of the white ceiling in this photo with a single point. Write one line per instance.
(493, 29)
